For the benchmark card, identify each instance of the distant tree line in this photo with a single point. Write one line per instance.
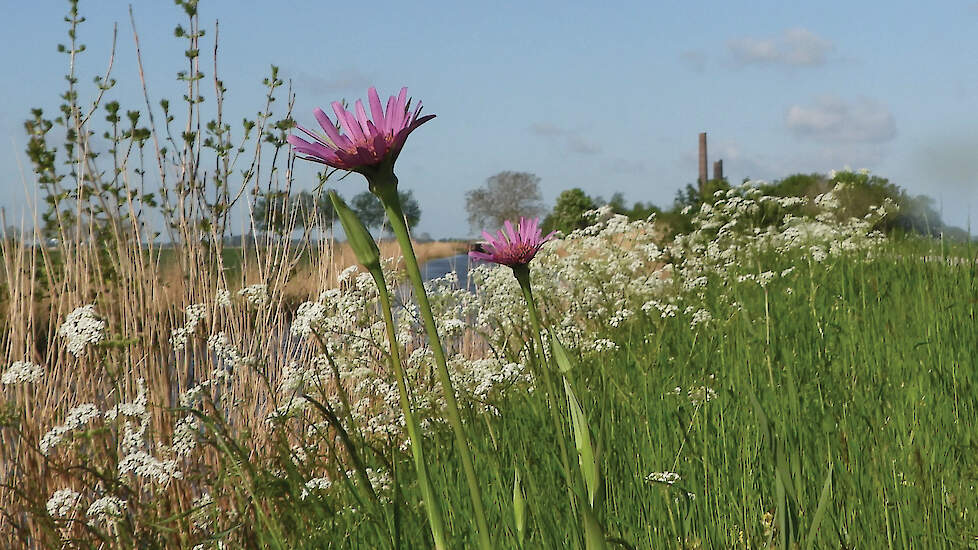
(510, 195)
(277, 211)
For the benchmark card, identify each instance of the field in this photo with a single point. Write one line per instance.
(805, 385)
(773, 365)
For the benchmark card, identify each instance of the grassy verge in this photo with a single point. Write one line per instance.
(835, 407)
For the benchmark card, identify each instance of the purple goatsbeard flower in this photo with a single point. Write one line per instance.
(512, 247)
(364, 142)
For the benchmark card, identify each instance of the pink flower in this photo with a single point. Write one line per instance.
(512, 247)
(366, 142)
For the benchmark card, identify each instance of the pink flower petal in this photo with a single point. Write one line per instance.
(376, 110)
(362, 119)
(339, 142)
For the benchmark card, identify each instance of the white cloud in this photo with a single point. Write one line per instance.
(831, 119)
(795, 47)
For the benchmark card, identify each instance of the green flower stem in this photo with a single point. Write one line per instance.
(431, 502)
(385, 188)
(522, 274)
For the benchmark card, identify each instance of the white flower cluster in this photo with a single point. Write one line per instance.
(743, 222)
(222, 298)
(133, 435)
(202, 515)
(664, 309)
(668, 478)
(80, 328)
(185, 433)
(308, 317)
(225, 350)
(63, 503)
(194, 313)
(106, 510)
(480, 378)
(700, 317)
(22, 372)
(701, 394)
(143, 464)
(255, 295)
(77, 417)
(316, 484)
(380, 480)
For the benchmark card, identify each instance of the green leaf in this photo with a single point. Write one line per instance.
(823, 502)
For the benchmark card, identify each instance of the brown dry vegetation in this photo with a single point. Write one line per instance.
(141, 298)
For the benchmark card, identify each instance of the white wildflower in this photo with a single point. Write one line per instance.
(222, 298)
(669, 478)
(63, 503)
(195, 313)
(221, 344)
(315, 484)
(255, 295)
(201, 516)
(178, 338)
(818, 253)
(308, 317)
(77, 417)
(82, 327)
(135, 409)
(22, 372)
(106, 509)
(143, 464)
(701, 394)
(185, 433)
(700, 317)
(603, 344)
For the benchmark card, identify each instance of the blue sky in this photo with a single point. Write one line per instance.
(605, 97)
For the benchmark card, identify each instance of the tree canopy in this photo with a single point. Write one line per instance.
(371, 212)
(505, 196)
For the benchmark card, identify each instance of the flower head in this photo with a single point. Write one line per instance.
(82, 327)
(22, 371)
(512, 247)
(363, 142)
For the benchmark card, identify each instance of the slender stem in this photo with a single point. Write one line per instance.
(385, 187)
(522, 274)
(431, 502)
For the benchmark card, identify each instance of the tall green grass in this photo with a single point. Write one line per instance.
(845, 417)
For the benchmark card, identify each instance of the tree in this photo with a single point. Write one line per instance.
(368, 208)
(861, 192)
(270, 211)
(506, 196)
(314, 211)
(371, 212)
(568, 212)
(694, 196)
